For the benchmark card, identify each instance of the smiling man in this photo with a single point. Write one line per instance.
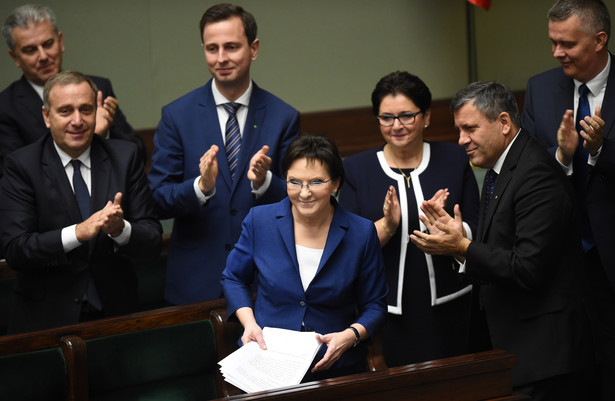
(217, 152)
(571, 111)
(36, 46)
(75, 210)
(526, 255)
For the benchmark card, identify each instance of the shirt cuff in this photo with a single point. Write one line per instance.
(567, 168)
(69, 238)
(199, 194)
(259, 192)
(592, 160)
(124, 236)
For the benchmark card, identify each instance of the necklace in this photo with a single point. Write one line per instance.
(407, 177)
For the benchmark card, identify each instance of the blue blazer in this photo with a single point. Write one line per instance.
(349, 285)
(547, 96)
(204, 235)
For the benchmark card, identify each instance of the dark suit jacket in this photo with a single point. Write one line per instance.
(21, 118)
(204, 235)
(548, 95)
(349, 285)
(529, 260)
(37, 201)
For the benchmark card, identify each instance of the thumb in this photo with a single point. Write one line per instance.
(118, 198)
(99, 99)
(598, 111)
(457, 212)
(265, 149)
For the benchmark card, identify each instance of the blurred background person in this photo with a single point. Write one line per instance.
(316, 266)
(428, 304)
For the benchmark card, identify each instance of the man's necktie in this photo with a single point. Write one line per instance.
(490, 179)
(81, 190)
(581, 169)
(582, 112)
(233, 138)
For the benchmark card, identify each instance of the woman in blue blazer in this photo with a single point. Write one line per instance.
(316, 267)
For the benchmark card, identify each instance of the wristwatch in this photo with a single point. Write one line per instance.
(357, 335)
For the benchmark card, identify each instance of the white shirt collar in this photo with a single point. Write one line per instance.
(84, 158)
(598, 82)
(220, 99)
(37, 88)
(498, 165)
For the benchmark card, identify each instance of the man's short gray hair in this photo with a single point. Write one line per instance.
(23, 16)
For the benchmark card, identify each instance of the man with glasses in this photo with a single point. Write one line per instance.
(217, 153)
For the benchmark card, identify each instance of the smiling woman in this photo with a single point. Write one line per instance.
(319, 267)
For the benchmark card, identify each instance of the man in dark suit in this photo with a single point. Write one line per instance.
(217, 152)
(75, 209)
(579, 32)
(36, 46)
(525, 255)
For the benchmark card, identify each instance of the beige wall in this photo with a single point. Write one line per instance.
(315, 54)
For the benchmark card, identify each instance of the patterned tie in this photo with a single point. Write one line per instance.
(233, 138)
(581, 170)
(490, 179)
(81, 190)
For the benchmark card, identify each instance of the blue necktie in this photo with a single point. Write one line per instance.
(233, 138)
(490, 179)
(581, 170)
(81, 190)
(582, 112)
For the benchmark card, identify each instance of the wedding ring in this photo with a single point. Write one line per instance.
(385, 207)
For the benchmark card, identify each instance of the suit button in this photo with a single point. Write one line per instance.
(233, 212)
(77, 300)
(228, 247)
(302, 303)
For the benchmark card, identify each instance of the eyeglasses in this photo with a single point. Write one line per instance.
(386, 120)
(312, 185)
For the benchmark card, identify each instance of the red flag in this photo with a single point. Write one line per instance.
(481, 3)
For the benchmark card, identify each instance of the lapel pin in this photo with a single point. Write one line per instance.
(255, 126)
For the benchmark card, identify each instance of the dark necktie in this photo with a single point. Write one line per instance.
(233, 138)
(81, 190)
(490, 179)
(582, 112)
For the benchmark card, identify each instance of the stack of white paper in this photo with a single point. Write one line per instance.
(287, 358)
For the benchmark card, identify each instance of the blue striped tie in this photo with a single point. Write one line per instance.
(233, 138)
(82, 195)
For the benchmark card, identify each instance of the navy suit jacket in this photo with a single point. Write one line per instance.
(203, 235)
(529, 262)
(349, 285)
(21, 118)
(37, 202)
(547, 96)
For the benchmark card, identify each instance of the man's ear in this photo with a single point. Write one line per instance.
(506, 122)
(46, 117)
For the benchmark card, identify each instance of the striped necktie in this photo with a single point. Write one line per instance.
(233, 137)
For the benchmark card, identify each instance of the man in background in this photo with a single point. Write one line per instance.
(571, 111)
(36, 46)
(217, 152)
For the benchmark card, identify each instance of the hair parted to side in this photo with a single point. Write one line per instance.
(593, 15)
(490, 99)
(401, 83)
(66, 78)
(224, 11)
(23, 16)
(315, 148)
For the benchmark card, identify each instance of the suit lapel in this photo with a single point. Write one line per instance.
(254, 123)
(54, 171)
(29, 100)
(504, 177)
(284, 220)
(337, 230)
(608, 103)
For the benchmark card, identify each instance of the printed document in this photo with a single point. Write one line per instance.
(287, 358)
